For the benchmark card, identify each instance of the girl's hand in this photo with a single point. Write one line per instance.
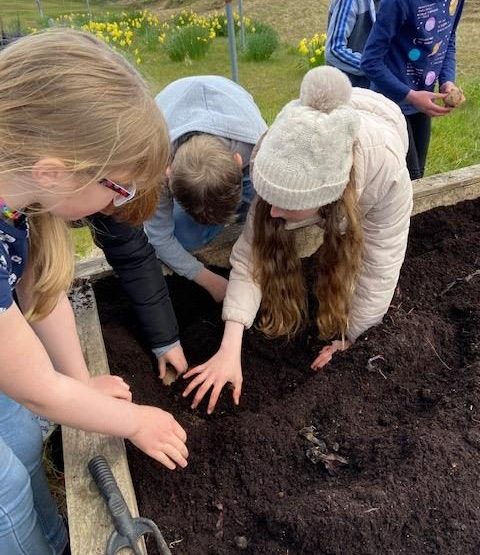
(160, 436)
(216, 285)
(114, 386)
(425, 102)
(447, 87)
(176, 358)
(327, 353)
(224, 367)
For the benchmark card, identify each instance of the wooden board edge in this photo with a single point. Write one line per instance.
(90, 524)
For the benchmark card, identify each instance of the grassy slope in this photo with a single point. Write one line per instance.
(455, 139)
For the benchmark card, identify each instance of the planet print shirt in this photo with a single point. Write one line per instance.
(13, 257)
(412, 46)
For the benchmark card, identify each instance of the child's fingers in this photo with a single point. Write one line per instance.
(179, 432)
(174, 454)
(194, 371)
(439, 110)
(126, 395)
(322, 359)
(162, 458)
(162, 367)
(202, 391)
(121, 381)
(237, 391)
(214, 397)
(193, 384)
(179, 445)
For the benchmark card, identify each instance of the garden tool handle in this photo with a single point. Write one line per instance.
(128, 530)
(106, 483)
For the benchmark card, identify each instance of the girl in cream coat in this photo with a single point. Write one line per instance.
(333, 163)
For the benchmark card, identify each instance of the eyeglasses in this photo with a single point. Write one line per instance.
(125, 193)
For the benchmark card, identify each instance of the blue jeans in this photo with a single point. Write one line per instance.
(29, 520)
(193, 235)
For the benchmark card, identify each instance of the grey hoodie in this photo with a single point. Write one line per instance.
(208, 104)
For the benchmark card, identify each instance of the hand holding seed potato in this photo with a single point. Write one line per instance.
(160, 436)
(425, 101)
(114, 386)
(176, 358)
(327, 353)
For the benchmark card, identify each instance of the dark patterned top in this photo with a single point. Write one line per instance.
(13, 258)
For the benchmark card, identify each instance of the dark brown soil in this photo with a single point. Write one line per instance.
(408, 423)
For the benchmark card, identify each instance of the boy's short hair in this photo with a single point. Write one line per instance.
(206, 179)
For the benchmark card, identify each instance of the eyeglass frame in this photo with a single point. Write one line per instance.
(124, 193)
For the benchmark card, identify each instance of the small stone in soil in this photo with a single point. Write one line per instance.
(241, 542)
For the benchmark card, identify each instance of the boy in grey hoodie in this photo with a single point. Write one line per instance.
(214, 125)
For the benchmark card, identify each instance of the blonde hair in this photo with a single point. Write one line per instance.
(278, 269)
(206, 179)
(66, 94)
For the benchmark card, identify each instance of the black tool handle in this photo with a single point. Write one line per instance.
(106, 483)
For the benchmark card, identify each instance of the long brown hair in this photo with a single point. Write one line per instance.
(66, 94)
(278, 269)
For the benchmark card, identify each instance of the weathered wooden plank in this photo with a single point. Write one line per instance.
(443, 189)
(89, 521)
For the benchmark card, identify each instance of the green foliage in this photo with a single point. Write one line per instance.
(313, 50)
(190, 42)
(455, 137)
(222, 26)
(260, 44)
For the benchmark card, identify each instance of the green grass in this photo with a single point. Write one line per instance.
(82, 241)
(272, 83)
(27, 11)
(456, 137)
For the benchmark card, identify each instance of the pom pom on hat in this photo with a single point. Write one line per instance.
(305, 159)
(325, 88)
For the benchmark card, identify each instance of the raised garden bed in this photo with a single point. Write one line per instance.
(402, 407)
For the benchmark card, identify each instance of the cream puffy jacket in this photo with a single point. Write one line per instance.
(385, 200)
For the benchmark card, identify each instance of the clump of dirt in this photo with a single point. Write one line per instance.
(401, 408)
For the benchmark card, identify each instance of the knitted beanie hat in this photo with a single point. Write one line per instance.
(305, 158)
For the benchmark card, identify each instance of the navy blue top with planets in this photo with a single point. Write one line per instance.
(13, 257)
(412, 46)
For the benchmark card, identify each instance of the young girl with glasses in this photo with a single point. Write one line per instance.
(79, 132)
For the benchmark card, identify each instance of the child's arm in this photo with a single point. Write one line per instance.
(241, 304)
(140, 272)
(342, 21)
(27, 375)
(390, 17)
(58, 334)
(385, 233)
(161, 234)
(448, 71)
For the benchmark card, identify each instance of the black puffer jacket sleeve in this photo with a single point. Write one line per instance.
(133, 259)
